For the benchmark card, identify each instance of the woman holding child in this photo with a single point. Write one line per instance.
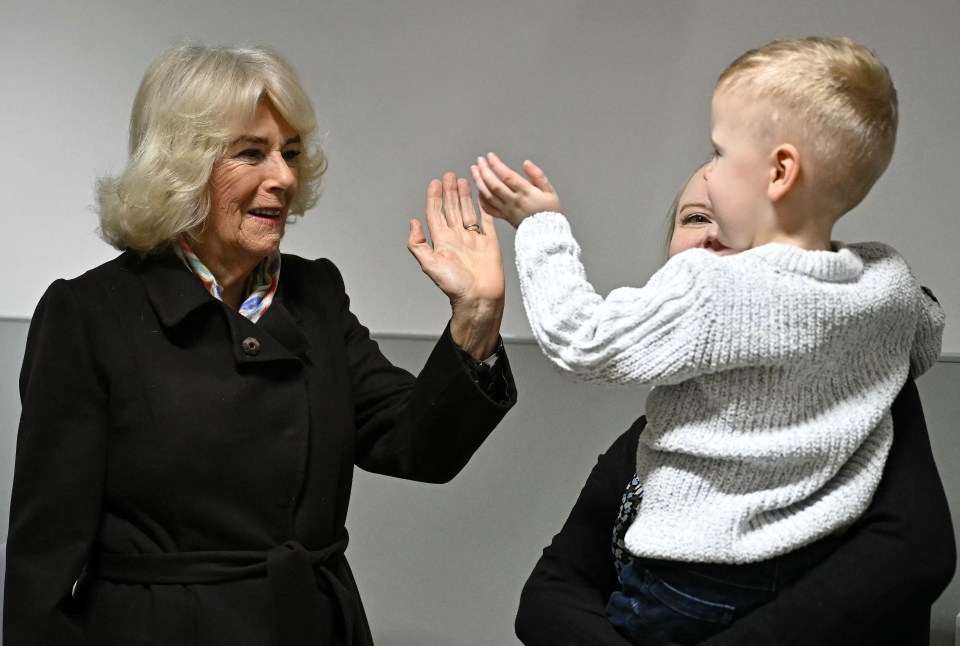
(775, 368)
(875, 587)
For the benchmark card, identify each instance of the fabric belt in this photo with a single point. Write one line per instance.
(293, 573)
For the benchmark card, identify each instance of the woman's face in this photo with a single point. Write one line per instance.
(694, 225)
(251, 188)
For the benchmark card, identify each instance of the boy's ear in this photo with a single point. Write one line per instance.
(785, 171)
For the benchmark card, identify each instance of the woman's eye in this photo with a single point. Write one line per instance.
(291, 155)
(251, 153)
(695, 218)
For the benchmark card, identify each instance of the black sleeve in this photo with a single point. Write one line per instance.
(494, 380)
(59, 475)
(564, 600)
(425, 428)
(878, 586)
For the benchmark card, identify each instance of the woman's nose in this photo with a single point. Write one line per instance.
(279, 173)
(710, 240)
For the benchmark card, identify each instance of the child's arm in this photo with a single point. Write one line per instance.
(507, 195)
(659, 333)
(586, 336)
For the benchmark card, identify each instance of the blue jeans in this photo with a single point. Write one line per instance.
(667, 602)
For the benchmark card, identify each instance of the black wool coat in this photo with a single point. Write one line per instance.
(192, 469)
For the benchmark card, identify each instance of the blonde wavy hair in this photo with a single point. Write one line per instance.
(183, 118)
(834, 94)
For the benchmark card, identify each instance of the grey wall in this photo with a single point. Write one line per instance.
(13, 337)
(611, 96)
(442, 565)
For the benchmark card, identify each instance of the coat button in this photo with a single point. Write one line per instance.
(251, 346)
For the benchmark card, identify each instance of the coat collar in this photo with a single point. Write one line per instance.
(175, 293)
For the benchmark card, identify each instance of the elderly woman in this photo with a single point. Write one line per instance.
(193, 409)
(876, 587)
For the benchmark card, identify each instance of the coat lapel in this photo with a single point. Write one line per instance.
(175, 293)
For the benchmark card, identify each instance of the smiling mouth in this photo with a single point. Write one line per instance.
(270, 214)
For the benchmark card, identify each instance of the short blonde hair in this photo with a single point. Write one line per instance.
(183, 118)
(838, 97)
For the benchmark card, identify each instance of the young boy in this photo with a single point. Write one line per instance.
(774, 368)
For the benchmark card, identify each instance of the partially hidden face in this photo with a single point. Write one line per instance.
(251, 189)
(737, 176)
(694, 224)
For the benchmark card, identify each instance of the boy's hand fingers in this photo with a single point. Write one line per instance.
(486, 206)
(507, 175)
(495, 187)
(537, 177)
(483, 191)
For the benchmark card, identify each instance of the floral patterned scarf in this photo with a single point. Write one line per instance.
(261, 286)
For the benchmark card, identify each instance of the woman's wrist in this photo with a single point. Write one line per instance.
(475, 327)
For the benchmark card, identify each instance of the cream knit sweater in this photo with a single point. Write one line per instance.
(774, 372)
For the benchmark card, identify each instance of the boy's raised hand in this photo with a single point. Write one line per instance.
(507, 195)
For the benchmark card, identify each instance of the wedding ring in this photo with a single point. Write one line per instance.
(473, 227)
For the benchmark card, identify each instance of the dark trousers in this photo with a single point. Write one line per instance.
(670, 602)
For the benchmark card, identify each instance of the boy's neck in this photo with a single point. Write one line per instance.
(801, 229)
(800, 220)
(808, 242)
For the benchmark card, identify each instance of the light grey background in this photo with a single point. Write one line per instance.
(611, 97)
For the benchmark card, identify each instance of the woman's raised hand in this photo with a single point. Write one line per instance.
(464, 261)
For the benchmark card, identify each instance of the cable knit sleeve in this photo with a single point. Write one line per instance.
(647, 335)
